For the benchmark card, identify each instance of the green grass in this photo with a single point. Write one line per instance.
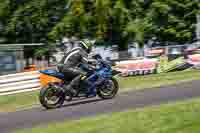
(182, 117)
(13, 102)
(157, 80)
(18, 101)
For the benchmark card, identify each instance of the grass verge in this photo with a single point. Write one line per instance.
(157, 80)
(23, 100)
(18, 101)
(182, 117)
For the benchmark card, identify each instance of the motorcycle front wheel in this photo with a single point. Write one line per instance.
(51, 97)
(109, 89)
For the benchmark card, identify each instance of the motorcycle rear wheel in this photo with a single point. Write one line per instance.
(50, 93)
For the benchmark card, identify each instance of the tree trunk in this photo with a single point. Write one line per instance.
(123, 48)
(140, 49)
(123, 45)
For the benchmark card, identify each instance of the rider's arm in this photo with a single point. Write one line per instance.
(83, 57)
(87, 64)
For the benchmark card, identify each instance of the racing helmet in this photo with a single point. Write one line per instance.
(86, 45)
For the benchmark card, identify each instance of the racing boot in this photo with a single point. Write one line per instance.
(69, 88)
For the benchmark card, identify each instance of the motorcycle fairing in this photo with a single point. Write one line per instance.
(53, 73)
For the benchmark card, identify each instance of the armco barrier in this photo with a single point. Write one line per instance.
(20, 82)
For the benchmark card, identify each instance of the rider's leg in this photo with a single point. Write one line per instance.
(74, 83)
(76, 80)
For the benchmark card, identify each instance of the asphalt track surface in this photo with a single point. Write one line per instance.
(10, 122)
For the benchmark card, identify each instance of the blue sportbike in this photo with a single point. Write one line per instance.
(99, 81)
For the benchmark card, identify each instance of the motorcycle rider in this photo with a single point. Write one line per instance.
(70, 64)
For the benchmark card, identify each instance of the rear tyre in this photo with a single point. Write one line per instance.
(109, 90)
(51, 97)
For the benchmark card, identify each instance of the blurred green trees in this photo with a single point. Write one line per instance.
(115, 21)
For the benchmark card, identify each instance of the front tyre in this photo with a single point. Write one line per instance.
(51, 97)
(109, 89)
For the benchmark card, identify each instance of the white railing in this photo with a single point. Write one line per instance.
(20, 82)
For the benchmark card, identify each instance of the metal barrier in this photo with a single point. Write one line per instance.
(20, 82)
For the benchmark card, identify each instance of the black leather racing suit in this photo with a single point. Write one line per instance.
(69, 65)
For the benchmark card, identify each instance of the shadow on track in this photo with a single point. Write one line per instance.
(77, 102)
(82, 101)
